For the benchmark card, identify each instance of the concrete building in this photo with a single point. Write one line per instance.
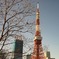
(47, 55)
(27, 56)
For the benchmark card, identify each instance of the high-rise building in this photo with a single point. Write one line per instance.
(18, 50)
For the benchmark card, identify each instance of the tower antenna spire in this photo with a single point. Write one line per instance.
(37, 22)
(37, 5)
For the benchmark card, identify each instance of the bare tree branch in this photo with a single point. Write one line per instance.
(14, 19)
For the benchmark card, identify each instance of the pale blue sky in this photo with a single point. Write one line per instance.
(49, 19)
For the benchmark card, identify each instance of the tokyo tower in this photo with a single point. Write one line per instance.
(37, 50)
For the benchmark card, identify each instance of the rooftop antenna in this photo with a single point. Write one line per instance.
(37, 5)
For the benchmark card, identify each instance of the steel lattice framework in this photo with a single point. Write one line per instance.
(38, 50)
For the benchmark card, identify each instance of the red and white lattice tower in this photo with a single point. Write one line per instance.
(38, 50)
